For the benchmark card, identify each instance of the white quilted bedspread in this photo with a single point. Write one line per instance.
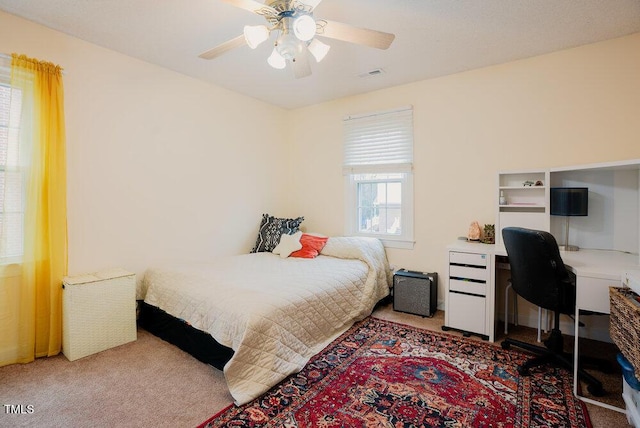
(274, 313)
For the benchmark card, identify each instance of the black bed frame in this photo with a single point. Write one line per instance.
(177, 332)
(196, 342)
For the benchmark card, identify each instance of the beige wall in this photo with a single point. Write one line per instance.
(163, 167)
(160, 166)
(571, 107)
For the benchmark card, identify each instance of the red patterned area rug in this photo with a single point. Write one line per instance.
(384, 374)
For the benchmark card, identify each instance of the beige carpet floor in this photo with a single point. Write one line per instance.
(146, 383)
(150, 383)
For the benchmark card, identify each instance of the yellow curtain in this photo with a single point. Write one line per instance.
(31, 286)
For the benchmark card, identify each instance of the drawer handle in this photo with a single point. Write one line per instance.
(467, 265)
(477, 281)
(468, 294)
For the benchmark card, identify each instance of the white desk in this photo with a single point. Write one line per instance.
(595, 272)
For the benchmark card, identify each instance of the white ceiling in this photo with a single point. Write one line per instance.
(433, 38)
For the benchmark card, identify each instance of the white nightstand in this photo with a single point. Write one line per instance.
(98, 312)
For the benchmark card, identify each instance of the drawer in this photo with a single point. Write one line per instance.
(467, 312)
(467, 258)
(592, 294)
(467, 272)
(479, 288)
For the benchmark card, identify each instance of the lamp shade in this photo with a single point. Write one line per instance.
(304, 28)
(569, 201)
(318, 49)
(255, 34)
(276, 60)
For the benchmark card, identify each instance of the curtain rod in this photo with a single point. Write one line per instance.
(7, 56)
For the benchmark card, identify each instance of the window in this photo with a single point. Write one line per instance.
(11, 174)
(378, 157)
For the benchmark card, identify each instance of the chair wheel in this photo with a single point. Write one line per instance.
(595, 390)
(523, 371)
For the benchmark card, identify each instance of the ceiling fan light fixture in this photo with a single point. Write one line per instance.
(318, 49)
(276, 60)
(255, 35)
(297, 28)
(304, 27)
(288, 46)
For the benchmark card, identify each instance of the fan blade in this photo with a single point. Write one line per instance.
(300, 65)
(311, 3)
(361, 36)
(253, 6)
(224, 48)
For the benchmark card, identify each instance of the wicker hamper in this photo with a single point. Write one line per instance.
(624, 324)
(98, 312)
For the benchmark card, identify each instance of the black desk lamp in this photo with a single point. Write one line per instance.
(569, 202)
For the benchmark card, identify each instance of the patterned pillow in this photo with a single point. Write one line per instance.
(271, 229)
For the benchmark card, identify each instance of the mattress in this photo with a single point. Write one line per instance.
(274, 313)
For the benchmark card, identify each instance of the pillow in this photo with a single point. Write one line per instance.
(311, 246)
(288, 244)
(271, 229)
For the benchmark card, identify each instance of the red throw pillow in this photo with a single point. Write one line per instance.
(311, 246)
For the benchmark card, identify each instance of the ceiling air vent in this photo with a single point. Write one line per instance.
(371, 73)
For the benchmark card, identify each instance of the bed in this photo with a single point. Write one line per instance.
(272, 313)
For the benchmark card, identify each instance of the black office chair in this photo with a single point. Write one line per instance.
(539, 276)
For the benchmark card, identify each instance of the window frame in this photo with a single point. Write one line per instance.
(403, 240)
(17, 255)
(352, 174)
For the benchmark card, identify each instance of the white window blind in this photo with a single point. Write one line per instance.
(379, 142)
(377, 165)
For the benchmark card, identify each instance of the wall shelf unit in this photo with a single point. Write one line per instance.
(520, 202)
(613, 222)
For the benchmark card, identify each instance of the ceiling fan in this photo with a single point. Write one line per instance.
(297, 29)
